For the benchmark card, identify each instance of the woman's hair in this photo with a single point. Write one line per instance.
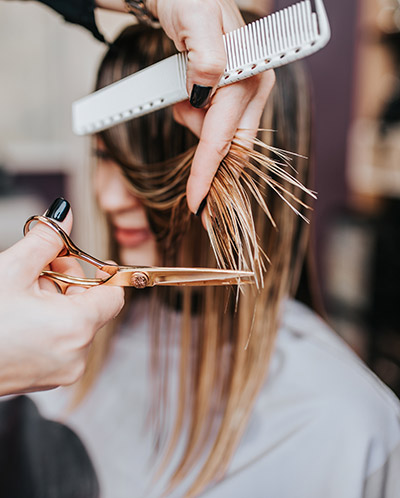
(225, 340)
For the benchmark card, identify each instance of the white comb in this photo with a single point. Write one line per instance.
(278, 39)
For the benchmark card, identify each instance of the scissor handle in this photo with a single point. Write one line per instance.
(70, 249)
(64, 281)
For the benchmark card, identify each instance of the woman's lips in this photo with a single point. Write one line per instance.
(131, 237)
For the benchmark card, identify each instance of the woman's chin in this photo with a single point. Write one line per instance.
(142, 255)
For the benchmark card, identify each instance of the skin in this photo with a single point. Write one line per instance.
(197, 26)
(45, 336)
(125, 213)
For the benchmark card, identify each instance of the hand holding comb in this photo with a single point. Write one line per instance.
(278, 39)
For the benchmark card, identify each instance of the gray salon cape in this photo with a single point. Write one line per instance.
(323, 426)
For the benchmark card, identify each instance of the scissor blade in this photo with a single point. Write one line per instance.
(203, 277)
(141, 277)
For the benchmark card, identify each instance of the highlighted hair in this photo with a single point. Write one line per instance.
(254, 218)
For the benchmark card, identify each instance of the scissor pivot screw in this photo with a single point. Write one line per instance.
(139, 280)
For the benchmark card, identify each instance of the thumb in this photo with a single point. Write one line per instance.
(206, 64)
(41, 245)
(205, 27)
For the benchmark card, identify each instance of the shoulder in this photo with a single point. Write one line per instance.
(328, 368)
(318, 383)
(322, 415)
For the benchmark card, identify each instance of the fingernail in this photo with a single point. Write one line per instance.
(58, 210)
(200, 96)
(201, 207)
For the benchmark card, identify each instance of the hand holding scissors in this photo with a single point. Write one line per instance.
(45, 336)
(134, 276)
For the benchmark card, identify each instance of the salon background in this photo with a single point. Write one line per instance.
(356, 81)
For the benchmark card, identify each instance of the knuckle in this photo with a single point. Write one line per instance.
(115, 299)
(77, 331)
(41, 233)
(46, 236)
(208, 64)
(200, 9)
(76, 323)
(221, 148)
(85, 332)
(73, 373)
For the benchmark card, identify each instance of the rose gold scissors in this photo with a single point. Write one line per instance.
(134, 276)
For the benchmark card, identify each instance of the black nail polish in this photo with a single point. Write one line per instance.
(202, 206)
(58, 210)
(200, 96)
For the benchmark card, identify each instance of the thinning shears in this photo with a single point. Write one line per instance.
(134, 276)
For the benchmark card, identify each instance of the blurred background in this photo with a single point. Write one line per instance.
(46, 64)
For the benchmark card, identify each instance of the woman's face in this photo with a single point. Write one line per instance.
(129, 225)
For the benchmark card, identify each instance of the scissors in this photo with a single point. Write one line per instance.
(134, 276)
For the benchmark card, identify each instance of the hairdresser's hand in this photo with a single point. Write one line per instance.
(197, 26)
(44, 335)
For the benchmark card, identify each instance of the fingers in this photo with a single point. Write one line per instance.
(219, 128)
(26, 259)
(251, 117)
(101, 304)
(198, 26)
(233, 107)
(69, 266)
(206, 52)
(188, 116)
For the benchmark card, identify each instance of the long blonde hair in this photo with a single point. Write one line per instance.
(225, 343)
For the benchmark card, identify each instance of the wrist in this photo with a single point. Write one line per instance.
(139, 8)
(152, 7)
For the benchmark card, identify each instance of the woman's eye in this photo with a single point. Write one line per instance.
(102, 154)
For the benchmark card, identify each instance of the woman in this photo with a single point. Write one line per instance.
(320, 424)
(196, 27)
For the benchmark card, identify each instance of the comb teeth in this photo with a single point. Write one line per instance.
(283, 37)
(289, 29)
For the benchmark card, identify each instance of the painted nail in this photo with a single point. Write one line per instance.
(58, 210)
(200, 96)
(201, 207)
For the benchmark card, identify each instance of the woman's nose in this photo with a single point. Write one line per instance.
(111, 189)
